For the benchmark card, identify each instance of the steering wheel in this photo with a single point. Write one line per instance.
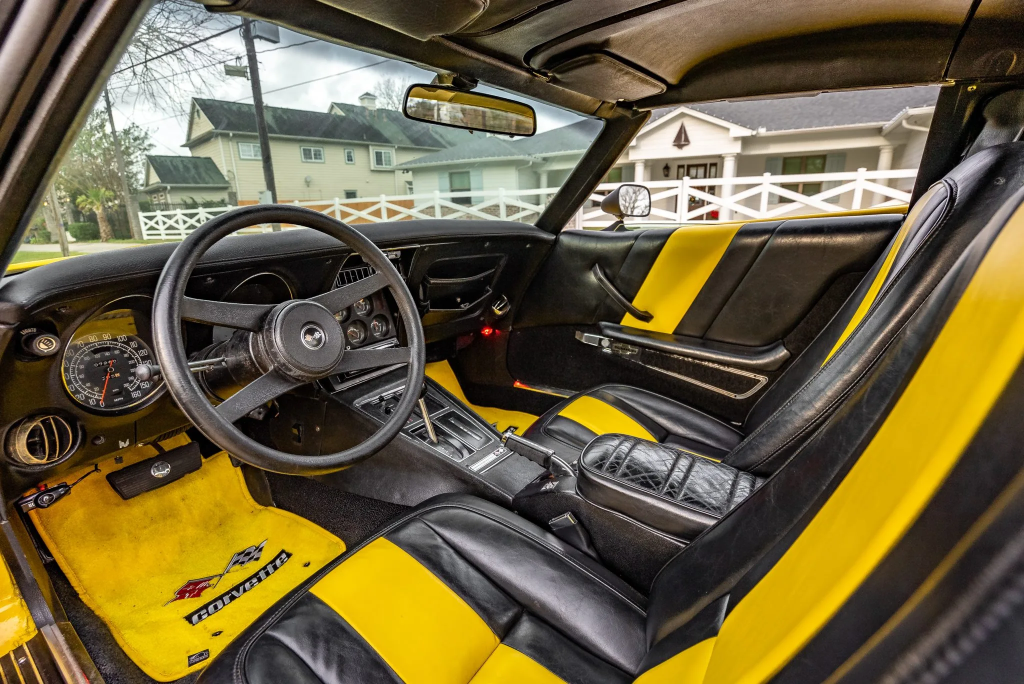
(276, 348)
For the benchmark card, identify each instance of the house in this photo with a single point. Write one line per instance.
(348, 151)
(490, 162)
(176, 180)
(878, 129)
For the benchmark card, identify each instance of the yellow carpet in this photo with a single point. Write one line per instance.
(441, 373)
(135, 563)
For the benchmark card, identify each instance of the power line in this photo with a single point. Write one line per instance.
(171, 52)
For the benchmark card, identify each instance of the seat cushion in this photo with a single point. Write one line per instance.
(460, 590)
(670, 489)
(569, 426)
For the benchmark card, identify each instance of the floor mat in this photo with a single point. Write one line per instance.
(441, 373)
(178, 572)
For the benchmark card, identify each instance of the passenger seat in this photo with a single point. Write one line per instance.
(936, 232)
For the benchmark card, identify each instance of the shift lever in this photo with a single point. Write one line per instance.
(426, 416)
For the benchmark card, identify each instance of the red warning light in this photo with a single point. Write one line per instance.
(487, 331)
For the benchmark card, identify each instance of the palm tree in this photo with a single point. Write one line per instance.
(96, 200)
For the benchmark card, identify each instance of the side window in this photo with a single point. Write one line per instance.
(460, 181)
(312, 154)
(249, 151)
(351, 194)
(350, 155)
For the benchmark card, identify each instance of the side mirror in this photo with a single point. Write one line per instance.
(627, 200)
(448, 106)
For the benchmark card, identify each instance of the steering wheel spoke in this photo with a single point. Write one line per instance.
(239, 316)
(336, 300)
(255, 394)
(361, 359)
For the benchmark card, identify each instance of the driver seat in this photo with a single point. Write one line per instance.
(462, 591)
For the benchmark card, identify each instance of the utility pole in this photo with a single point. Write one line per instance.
(261, 122)
(58, 225)
(130, 204)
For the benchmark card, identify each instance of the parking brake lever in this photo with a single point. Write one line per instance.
(426, 416)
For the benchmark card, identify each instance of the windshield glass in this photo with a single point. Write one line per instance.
(174, 140)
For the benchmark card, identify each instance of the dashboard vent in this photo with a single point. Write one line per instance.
(347, 276)
(40, 441)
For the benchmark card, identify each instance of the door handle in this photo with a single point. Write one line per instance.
(618, 297)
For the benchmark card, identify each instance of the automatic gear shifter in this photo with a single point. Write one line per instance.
(426, 416)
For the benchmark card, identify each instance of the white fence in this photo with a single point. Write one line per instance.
(673, 202)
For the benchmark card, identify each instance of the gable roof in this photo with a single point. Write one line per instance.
(825, 110)
(178, 170)
(352, 123)
(564, 140)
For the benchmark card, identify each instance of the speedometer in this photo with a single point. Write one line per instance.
(99, 371)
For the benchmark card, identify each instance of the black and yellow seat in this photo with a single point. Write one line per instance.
(853, 584)
(933, 236)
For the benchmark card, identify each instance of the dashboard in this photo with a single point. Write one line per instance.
(76, 333)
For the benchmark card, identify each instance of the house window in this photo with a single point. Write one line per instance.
(312, 154)
(408, 187)
(810, 164)
(458, 181)
(383, 159)
(614, 175)
(249, 151)
(350, 155)
(351, 194)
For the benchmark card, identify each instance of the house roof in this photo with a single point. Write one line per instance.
(825, 110)
(178, 170)
(572, 138)
(352, 123)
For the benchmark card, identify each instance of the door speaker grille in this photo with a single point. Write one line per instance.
(43, 440)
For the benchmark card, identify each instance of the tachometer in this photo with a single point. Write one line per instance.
(99, 371)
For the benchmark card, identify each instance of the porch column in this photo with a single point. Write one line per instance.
(638, 172)
(884, 164)
(728, 171)
(543, 197)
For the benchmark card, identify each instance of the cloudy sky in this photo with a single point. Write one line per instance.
(296, 73)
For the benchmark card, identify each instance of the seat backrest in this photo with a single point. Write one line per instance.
(919, 476)
(937, 231)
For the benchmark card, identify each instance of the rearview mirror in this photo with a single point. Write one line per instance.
(627, 200)
(450, 106)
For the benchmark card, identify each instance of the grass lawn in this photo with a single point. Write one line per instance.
(21, 257)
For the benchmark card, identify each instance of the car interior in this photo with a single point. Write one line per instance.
(476, 450)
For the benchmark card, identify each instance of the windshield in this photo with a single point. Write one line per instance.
(174, 140)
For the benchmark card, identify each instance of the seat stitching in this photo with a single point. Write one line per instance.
(648, 492)
(668, 477)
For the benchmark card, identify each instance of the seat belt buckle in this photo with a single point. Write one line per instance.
(570, 530)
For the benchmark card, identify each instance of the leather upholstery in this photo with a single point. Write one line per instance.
(668, 421)
(535, 593)
(808, 392)
(670, 489)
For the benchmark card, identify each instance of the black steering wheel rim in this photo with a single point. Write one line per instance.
(189, 395)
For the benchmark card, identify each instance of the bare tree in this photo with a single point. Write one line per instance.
(390, 92)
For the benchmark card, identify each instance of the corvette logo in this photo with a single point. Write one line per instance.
(194, 588)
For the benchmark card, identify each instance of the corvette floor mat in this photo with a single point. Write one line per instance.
(178, 572)
(441, 372)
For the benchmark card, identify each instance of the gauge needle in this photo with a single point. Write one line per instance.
(106, 382)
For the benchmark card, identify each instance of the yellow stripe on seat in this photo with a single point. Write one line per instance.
(509, 666)
(603, 419)
(950, 395)
(687, 667)
(678, 274)
(425, 631)
(883, 272)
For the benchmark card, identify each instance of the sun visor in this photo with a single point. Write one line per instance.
(603, 76)
(422, 19)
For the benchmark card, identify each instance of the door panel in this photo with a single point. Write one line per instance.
(732, 304)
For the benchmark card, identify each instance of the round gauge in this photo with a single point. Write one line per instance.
(363, 306)
(379, 326)
(356, 332)
(99, 371)
(342, 315)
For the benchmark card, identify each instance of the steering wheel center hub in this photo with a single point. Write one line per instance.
(303, 339)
